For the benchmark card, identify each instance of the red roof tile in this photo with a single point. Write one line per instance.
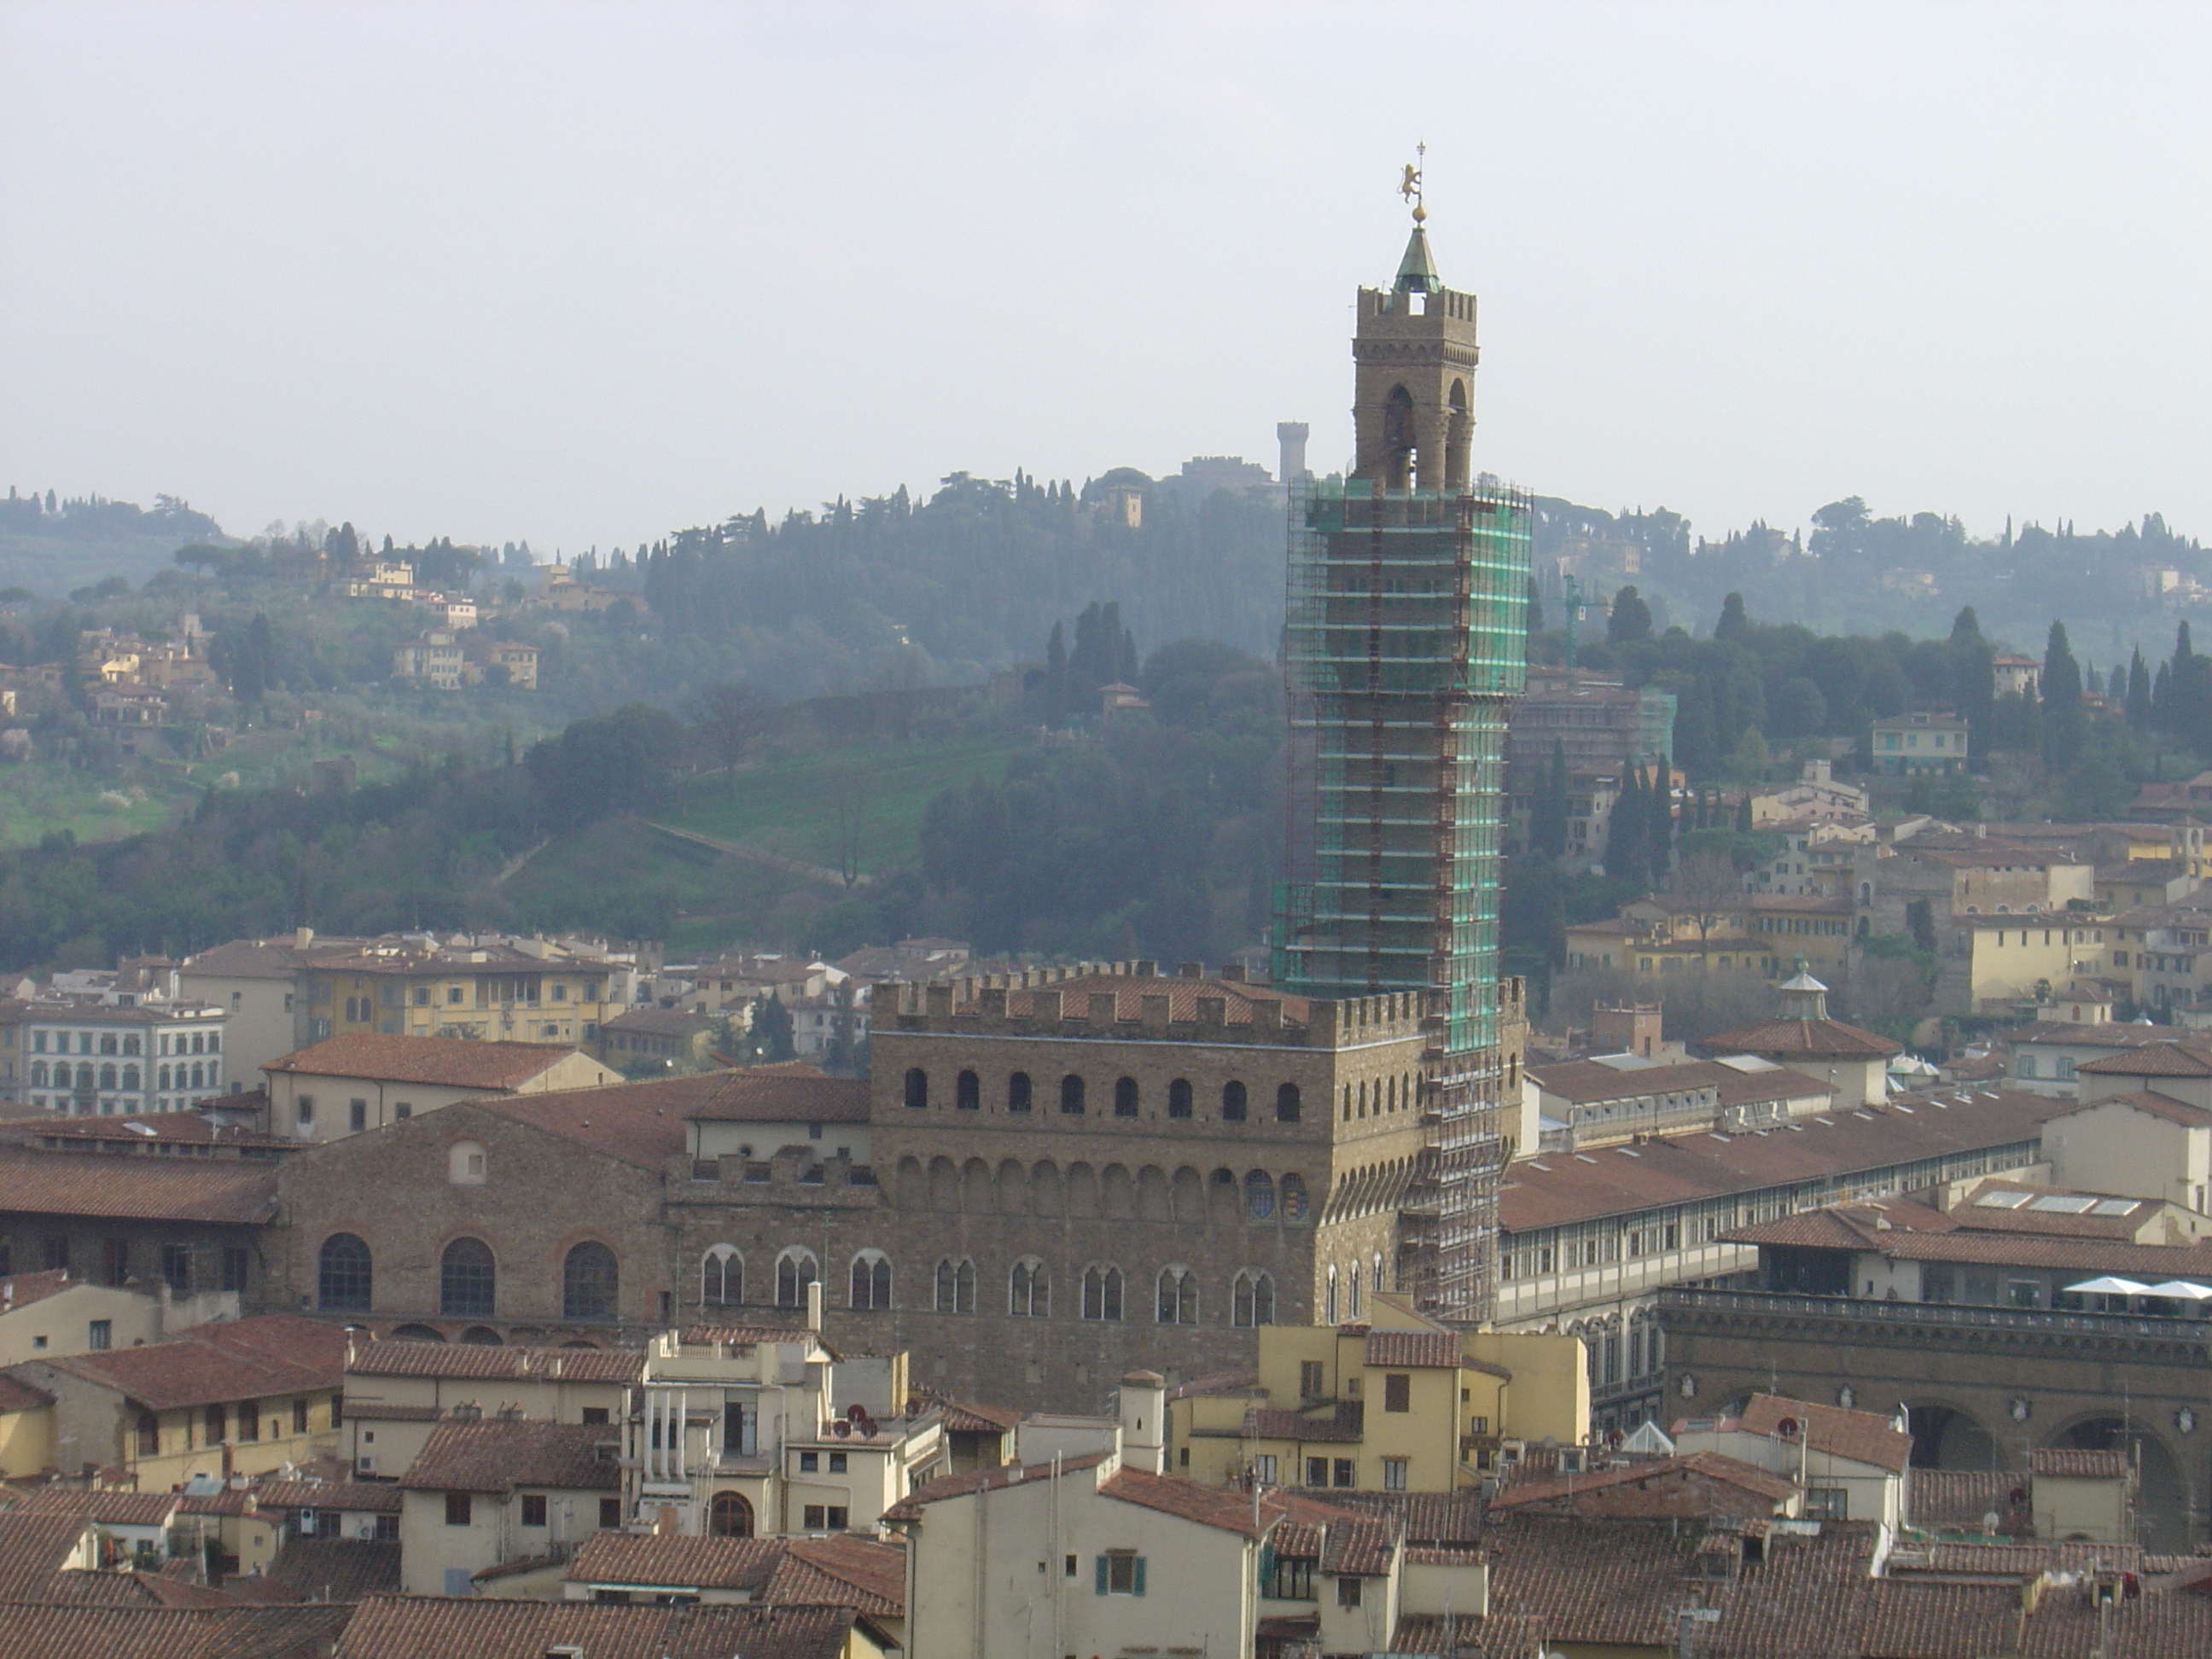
(335, 1569)
(1712, 1465)
(226, 1361)
(841, 1571)
(151, 1633)
(2067, 1463)
(441, 1628)
(1801, 1039)
(2169, 1059)
(449, 1062)
(674, 1561)
(1129, 991)
(1438, 1349)
(135, 1188)
(497, 1456)
(1862, 1436)
(2152, 1104)
(470, 1362)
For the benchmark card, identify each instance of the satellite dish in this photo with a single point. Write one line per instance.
(1787, 1428)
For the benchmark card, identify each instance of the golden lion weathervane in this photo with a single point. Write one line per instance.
(1410, 185)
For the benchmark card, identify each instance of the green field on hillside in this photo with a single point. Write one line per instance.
(798, 806)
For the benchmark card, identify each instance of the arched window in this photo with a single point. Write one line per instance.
(1102, 1293)
(1028, 1289)
(130, 1077)
(956, 1286)
(1347, 1102)
(1329, 1305)
(466, 1279)
(107, 1043)
(465, 1163)
(1178, 1296)
(107, 1079)
(1352, 1284)
(795, 1269)
(730, 1516)
(591, 1283)
(1260, 1195)
(415, 1333)
(1071, 1095)
(967, 1092)
(722, 1276)
(84, 1074)
(872, 1281)
(38, 1074)
(131, 1045)
(343, 1275)
(1286, 1103)
(917, 1087)
(1232, 1102)
(1254, 1302)
(1376, 1283)
(1125, 1097)
(482, 1336)
(1179, 1098)
(1018, 1092)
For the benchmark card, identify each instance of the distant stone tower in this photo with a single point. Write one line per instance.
(1404, 644)
(1291, 436)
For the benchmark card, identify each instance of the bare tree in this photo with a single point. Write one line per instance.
(1709, 888)
(848, 792)
(730, 719)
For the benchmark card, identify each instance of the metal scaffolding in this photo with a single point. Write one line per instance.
(1405, 638)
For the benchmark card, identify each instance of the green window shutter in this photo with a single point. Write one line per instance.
(1267, 1567)
(1101, 1575)
(1141, 1576)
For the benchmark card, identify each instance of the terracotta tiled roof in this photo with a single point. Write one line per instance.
(674, 1561)
(151, 1633)
(1429, 1519)
(1563, 1187)
(135, 1188)
(497, 1456)
(1439, 1349)
(1832, 1230)
(22, 1289)
(910, 1507)
(1862, 1436)
(272, 958)
(1221, 1382)
(2167, 1058)
(2028, 1219)
(1359, 1549)
(963, 1416)
(110, 1509)
(792, 1092)
(1735, 1087)
(226, 1361)
(1581, 1082)
(159, 1128)
(641, 1124)
(2111, 1034)
(33, 1547)
(1274, 1423)
(1966, 1498)
(336, 1569)
(1222, 1507)
(1801, 1039)
(841, 1571)
(660, 1022)
(1129, 991)
(1462, 1635)
(1712, 1465)
(442, 1627)
(2067, 1463)
(449, 1062)
(2154, 1104)
(19, 1396)
(469, 1361)
(362, 1496)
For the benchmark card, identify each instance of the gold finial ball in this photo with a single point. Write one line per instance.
(1420, 214)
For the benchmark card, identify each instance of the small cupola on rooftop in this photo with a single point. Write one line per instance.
(1803, 996)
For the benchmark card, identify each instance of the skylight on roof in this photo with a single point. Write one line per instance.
(2001, 1200)
(2114, 1206)
(2062, 1203)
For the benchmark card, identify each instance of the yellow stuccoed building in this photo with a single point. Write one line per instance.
(1398, 1404)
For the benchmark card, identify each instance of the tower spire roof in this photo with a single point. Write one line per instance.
(1417, 271)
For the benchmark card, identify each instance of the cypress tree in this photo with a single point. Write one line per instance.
(1626, 850)
(1659, 819)
(2138, 692)
(2064, 718)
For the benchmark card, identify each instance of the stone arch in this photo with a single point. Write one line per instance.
(1259, 1196)
(1155, 1202)
(1292, 1193)
(976, 1196)
(2163, 1503)
(911, 1187)
(1946, 1436)
(1225, 1199)
(482, 1336)
(1187, 1194)
(417, 1334)
(1013, 1188)
(1082, 1192)
(1047, 1191)
(1117, 1193)
(943, 1185)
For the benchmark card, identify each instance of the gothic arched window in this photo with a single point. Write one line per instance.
(722, 1276)
(795, 1269)
(956, 1286)
(1101, 1293)
(1178, 1296)
(1254, 1299)
(872, 1281)
(1028, 1289)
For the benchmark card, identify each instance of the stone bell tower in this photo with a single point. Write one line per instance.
(1413, 416)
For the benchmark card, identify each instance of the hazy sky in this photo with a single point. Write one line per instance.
(586, 273)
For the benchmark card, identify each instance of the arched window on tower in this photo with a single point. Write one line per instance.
(1018, 1092)
(1329, 1301)
(1071, 1095)
(1125, 1097)
(1179, 1098)
(967, 1092)
(1232, 1102)
(1286, 1103)
(1253, 1302)
(795, 1269)
(872, 1281)
(1101, 1293)
(722, 1276)
(917, 1087)
(956, 1286)
(1028, 1289)
(1178, 1296)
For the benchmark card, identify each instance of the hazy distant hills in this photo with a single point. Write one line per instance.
(52, 546)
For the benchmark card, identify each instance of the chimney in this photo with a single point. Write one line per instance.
(1143, 1422)
(814, 1306)
(302, 938)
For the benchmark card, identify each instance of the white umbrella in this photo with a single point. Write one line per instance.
(2180, 1290)
(2109, 1286)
